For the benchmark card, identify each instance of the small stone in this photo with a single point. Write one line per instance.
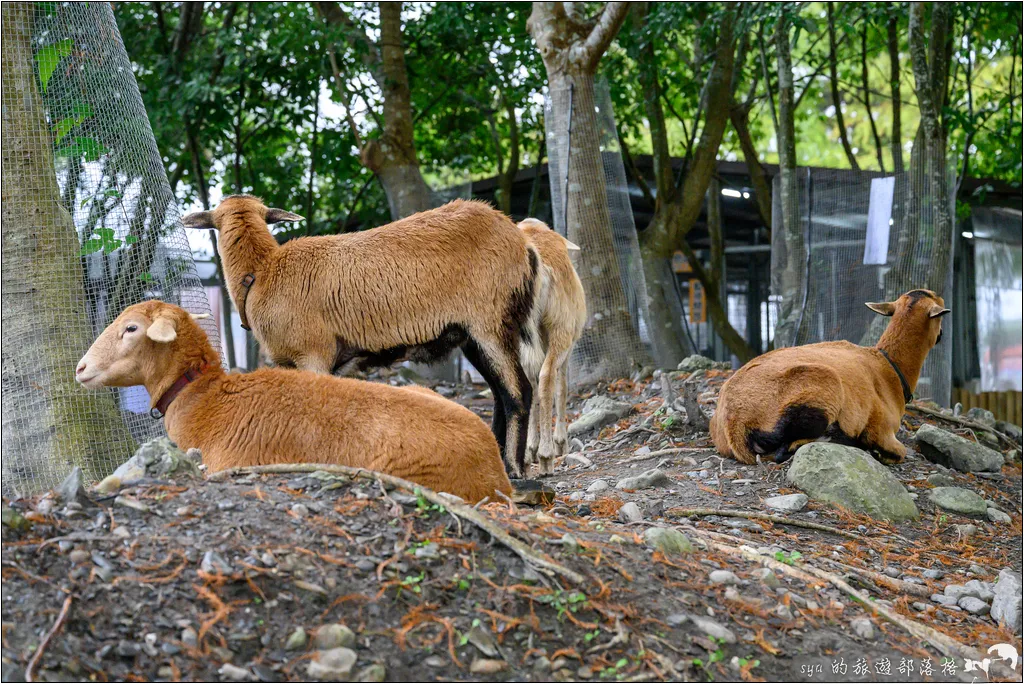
(934, 573)
(863, 628)
(630, 512)
(667, 540)
(958, 500)
(723, 577)
(982, 590)
(334, 636)
(182, 511)
(892, 571)
(784, 611)
(598, 486)
(215, 564)
(79, 556)
(73, 487)
(579, 459)
(789, 503)
(429, 551)
(296, 640)
(190, 637)
(997, 516)
(649, 478)
(965, 531)
(434, 661)
(332, 665)
(481, 638)
(974, 606)
(983, 416)
(233, 673)
(121, 532)
(372, 673)
(487, 666)
(713, 629)
(300, 510)
(767, 577)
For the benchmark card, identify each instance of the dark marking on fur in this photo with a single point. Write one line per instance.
(452, 337)
(519, 308)
(796, 423)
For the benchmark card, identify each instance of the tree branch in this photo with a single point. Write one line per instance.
(604, 32)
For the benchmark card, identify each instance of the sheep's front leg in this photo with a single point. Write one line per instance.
(545, 394)
(890, 450)
(532, 433)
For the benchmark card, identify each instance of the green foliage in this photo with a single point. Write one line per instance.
(49, 57)
(106, 241)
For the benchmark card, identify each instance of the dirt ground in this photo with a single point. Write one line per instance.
(196, 580)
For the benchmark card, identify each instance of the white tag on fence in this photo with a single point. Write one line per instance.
(876, 243)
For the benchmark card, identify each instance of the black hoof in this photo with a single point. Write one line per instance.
(782, 455)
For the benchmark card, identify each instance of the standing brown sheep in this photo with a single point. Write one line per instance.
(461, 275)
(833, 390)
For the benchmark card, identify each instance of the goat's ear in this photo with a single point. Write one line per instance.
(884, 308)
(279, 215)
(162, 329)
(937, 311)
(199, 317)
(198, 219)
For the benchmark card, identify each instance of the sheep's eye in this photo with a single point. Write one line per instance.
(131, 328)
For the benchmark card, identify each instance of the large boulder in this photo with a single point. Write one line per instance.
(1007, 602)
(953, 451)
(599, 411)
(958, 500)
(851, 478)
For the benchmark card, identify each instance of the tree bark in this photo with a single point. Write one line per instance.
(49, 423)
(792, 278)
(865, 80)
(837, 100)
(571, 50)
(739, 115)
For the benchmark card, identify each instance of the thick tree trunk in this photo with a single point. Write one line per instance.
(49, 423)
(792, 278)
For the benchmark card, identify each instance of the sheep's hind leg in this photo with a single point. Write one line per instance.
(561, 398)
(532, 433)
(510, 421)
(545, 391)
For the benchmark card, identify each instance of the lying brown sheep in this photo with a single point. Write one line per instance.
(274, 415)
(461, 275)
(833, 390)
(562, 306)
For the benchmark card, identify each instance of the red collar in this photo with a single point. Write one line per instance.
(181, 383)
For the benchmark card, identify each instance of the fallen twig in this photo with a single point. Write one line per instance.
(30, 670)
(80, 537)
(966, 422)
(664, 452)
(753, 515)
(533, 558)
(889, 582)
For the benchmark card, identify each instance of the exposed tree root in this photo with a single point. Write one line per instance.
(533, 558)
(753, 515)
(30, 670)
(889, 582)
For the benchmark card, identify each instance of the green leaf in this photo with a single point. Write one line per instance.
(130, 239)
(63, 127)
(88, 148)
(82, 110)
(111, 192)
(146, 277)
(49, 57)
(92, 246)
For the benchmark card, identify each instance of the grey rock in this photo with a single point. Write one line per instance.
(997, 516)
(630, 512)
(300, 510)
(944, 600)
(598, 486)
(332, 665)
(934, 573)
(789, 503)
(941, 480)
(767, 577)
(784, 611)
(233, 673)
(713, 629)
(579, 459)
(984, 590)
(648, 478)
(959, 591)
(1007, 602)
(296, 640)
(214, 563)
(980, 415)
(597, 412)
(190, 637)
(334, 636)
(851, 478)
(920, 606)
(723, 577)
(863, 628)
(79, 556)
(667, 540)
(1010, 429)
(953, 451)
(73, 487)
(1011, 457)
(372, 673)
(958, 500)
(965, 531)
(481, 638)
(696, 362)
(973, 605)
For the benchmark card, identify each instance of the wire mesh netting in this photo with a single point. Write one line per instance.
(90, 227)
(996, 235)
(862, 238)
(585, 166)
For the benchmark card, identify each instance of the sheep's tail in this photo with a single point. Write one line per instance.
(531, 345)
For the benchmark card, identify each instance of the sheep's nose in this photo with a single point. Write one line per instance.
(81, 367)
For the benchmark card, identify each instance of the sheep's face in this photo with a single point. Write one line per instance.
(137, 342)
(924, 307)
(237, 205)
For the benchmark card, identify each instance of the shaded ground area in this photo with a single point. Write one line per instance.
(246, 579)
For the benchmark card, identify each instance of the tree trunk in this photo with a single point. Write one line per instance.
(49, 423)
(792, 278)
(837, 100)
(739, 115)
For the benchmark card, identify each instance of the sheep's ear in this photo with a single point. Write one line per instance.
(937, 311)
(198, 219)
(279, 215)
(163, 329)
(199, 317)
(884, 308)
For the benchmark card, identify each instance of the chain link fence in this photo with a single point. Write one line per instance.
(863, 238)
(90, 227)
(598, 218)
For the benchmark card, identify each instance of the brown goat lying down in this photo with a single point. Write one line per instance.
(831, 390)
(285, 416)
